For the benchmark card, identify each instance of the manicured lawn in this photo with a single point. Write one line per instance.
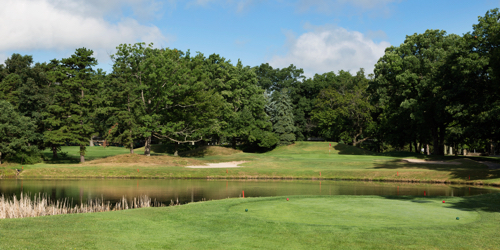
(302, 160)
(304, 222)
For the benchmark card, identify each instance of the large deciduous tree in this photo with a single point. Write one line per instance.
(343, 111)
(410, 81)
(242, 114)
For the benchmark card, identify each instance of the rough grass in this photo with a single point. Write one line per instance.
(304, 222)
(134, 159)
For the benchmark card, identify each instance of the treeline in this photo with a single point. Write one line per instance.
(433, 90)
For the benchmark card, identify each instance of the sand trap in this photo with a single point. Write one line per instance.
(231, 164)
(419, 161)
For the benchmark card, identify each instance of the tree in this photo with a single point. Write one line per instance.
(281, 112)
(124, 107)
(242, 115)
(477, 69)
(16, 133)
(291, 79)
(175, 101)
(411, 77)
(344, 111)
(71, 114)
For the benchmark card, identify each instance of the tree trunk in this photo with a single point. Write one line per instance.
(435, 139)
(492, 148)
(0, 157)
(176, 153)
(105, 142)
(234, 142)
(82, 153)
(131, 147)
(91, 141)
(417, 149)
(147, 147)
(410, 147)
(427, 149)
(54, 152)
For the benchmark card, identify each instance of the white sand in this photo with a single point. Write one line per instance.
(232, 164)
(419, 161)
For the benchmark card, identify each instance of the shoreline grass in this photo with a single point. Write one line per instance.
(37, 206)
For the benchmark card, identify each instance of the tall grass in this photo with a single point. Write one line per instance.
(42, 205)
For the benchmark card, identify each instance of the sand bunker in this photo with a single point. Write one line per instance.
(232, 164)
(419, 161)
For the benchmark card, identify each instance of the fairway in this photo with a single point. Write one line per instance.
(304, 222)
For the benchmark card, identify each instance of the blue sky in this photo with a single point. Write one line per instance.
(316, 35)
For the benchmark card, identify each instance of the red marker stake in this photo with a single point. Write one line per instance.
(137, 170)
(424, 193)
(319, 173)
(226, 171)
(469, 177)
(397, 173)
(243, 192)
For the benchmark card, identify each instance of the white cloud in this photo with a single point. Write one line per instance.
(329, 48)
(59, 25)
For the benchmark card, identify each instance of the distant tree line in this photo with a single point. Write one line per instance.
(435, 89)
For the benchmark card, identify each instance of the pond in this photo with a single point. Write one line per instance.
(185, 191)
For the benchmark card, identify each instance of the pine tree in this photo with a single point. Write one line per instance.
(72, 113)
(282, 117)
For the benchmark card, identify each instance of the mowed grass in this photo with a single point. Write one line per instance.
(304, 160)
(304, 222)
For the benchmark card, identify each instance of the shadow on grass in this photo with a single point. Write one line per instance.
(485, 202)
(344, 149)
(474, 171)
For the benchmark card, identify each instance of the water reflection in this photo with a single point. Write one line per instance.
(195, 190)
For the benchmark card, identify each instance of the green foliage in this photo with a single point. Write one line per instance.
(344, 111)
(281, 112)
(16, 134)
(242, 116)
(413, 89)
(70, 116)
(123, 107)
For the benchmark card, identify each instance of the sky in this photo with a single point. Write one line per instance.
(316, 35)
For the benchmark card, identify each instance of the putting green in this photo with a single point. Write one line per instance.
(357, 212)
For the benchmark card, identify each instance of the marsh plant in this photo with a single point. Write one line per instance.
(41, 205)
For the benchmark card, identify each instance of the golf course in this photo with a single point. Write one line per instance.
(301, 222)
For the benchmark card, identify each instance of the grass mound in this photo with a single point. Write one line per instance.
(351, 211)
(304, 147)
(146, 160)
(209, 151)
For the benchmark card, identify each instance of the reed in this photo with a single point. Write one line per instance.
(41, 205)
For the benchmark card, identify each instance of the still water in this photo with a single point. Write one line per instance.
(196, 190)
